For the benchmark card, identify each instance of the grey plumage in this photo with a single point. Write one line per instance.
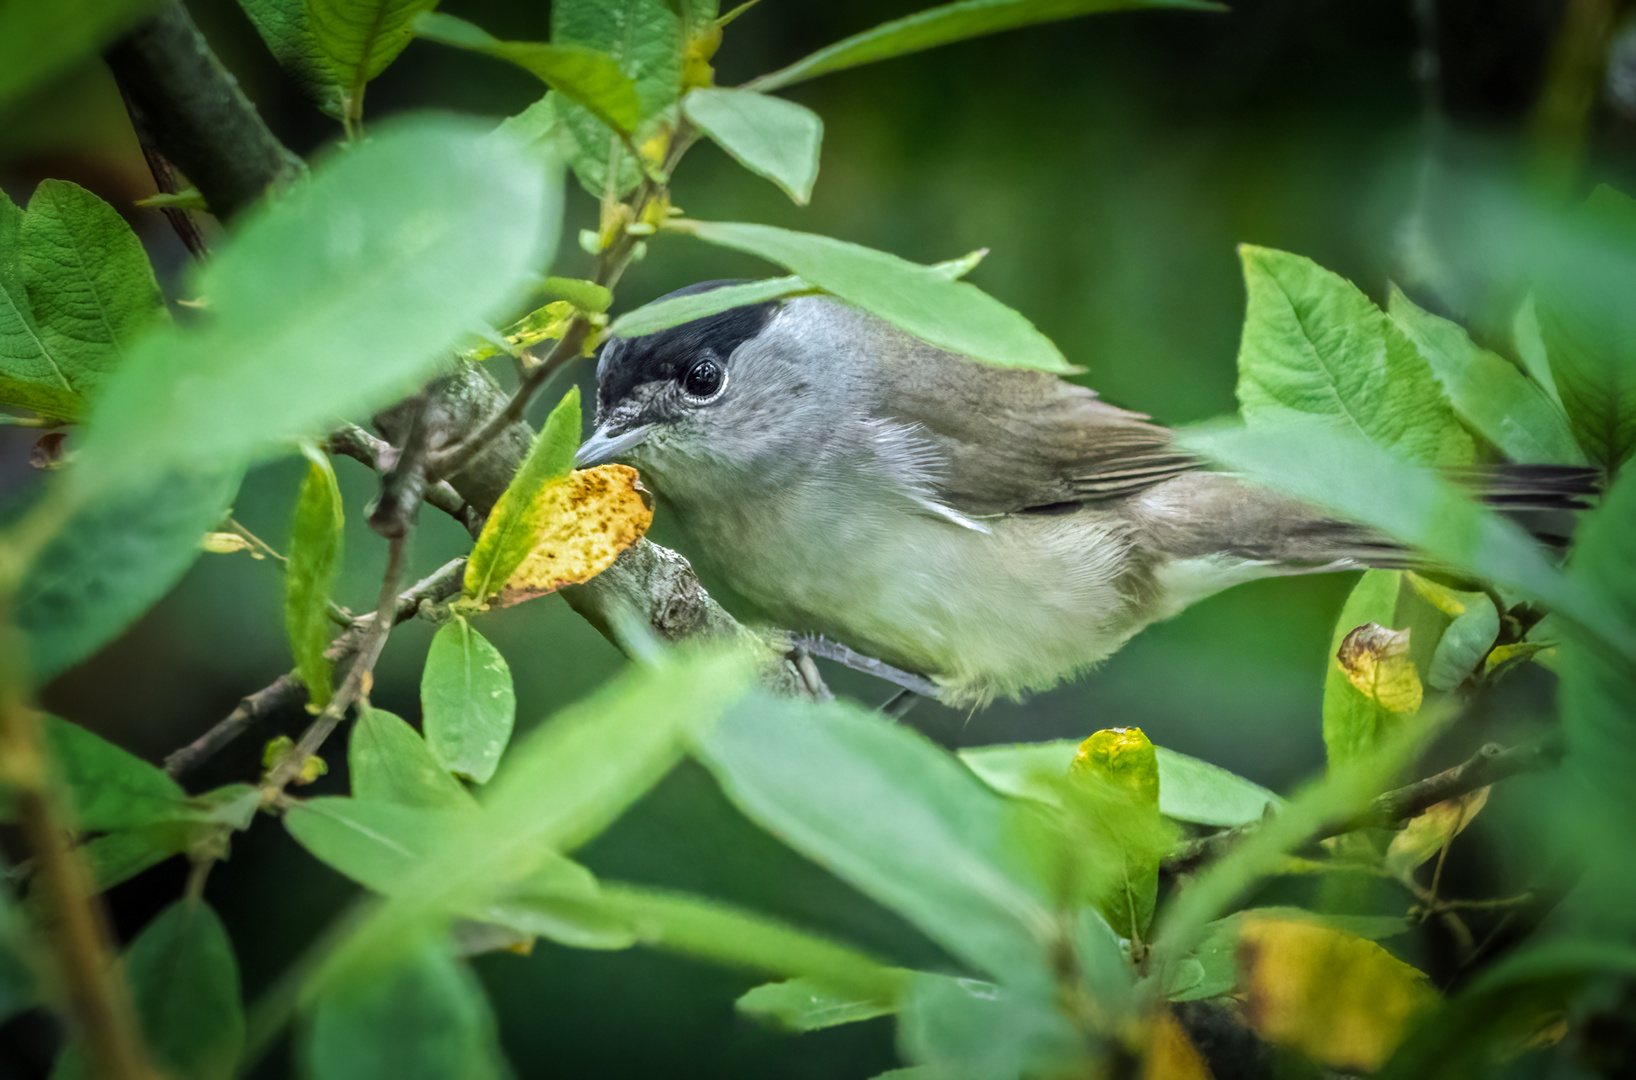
(994, 530)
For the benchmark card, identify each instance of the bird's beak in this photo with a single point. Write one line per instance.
(605, 445)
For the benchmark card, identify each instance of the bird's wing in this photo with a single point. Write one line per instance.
(1013, 441)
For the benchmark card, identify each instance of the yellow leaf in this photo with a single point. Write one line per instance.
(1169, 1054)
(1340, 999)
(586, 520)
(1376, 661)
(1426, 834)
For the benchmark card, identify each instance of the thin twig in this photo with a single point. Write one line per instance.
(356, 684)
(354, 442)
(288, 692)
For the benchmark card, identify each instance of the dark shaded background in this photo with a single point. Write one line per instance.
(1110, 164)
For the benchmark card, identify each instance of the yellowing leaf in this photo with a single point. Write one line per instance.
(1123, 757)
(1376, 661)
(1113, 827)
(1169, 1054)
(1426, 834)
(1338, 998)
(509, 533)
(585, 521)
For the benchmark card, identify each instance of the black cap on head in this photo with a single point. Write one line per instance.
(627, 363)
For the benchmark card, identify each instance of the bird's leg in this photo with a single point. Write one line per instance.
(857, 661)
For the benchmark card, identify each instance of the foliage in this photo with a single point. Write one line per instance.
(1075, 890)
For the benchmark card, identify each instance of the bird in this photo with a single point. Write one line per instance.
(990, 531)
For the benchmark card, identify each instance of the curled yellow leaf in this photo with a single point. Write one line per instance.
(1338, 998)
(1426, 833)
(1376, 660)
(585, 520)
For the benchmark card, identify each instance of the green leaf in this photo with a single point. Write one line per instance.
(113, 559)
(1189, 789)
(919, 299)
(560, 786)
(538, 128)
(89, 281)
(423, 1017)
(645, 36)
(589, 78)
(946, 24)
(382, 846)
(1353, 721)
(1502, 404)
(1588, 326)
(514, 525)
(1461, 649)
(584, 295)
(468, 706)
(915, 830)
(111, 788)
(1595, 694)
(1530, 347)
(574, 775)
(1197, 791)
(648, 39)
(805, 1005)
(442, 227)
(560, 901)
(663, 314)
(389, 762)
(184, 982)
(712, 930)
(288, 32)
(314, 561)
(120, 856)
(38, 397)
(771, 137)
(387, 847)
(1360, 482)
(1314, 346)
(1110, 836)
(968, 1030)
(359, 38)
(40, 40)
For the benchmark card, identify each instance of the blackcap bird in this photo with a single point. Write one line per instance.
(993, 530)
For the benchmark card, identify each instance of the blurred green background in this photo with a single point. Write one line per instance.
(1110, 164)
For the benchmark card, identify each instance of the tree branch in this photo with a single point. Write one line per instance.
(1490, 764)
(197, 116)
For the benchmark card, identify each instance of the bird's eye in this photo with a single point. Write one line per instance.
(704, 378)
